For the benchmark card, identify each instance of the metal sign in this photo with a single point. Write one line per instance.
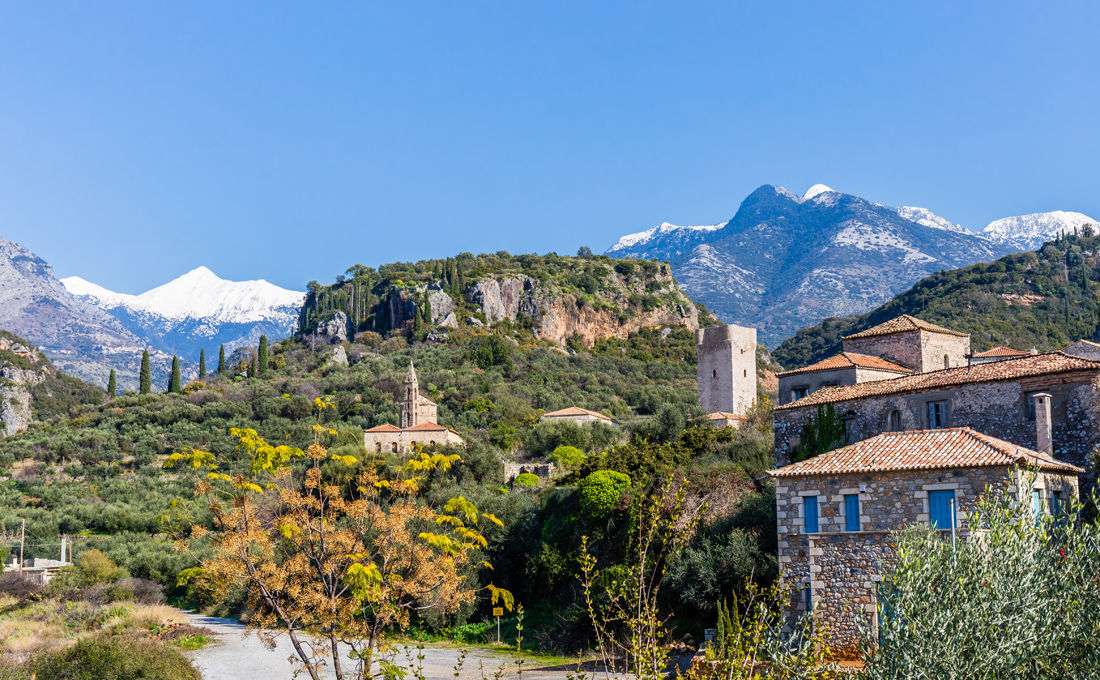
(498, 611)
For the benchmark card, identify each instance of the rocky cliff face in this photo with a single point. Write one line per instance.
(21, 368)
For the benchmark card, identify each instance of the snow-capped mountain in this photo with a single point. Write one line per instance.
(786, 261)
(1028, 232)
(198, 310)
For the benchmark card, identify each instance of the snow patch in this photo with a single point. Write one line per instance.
(930, 219)
(816, 190)
(1030, 231)
(663, 229)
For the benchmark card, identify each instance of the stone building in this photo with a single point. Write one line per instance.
(1086, 349)
(996, 354)
(912, 343)
(418, 427)
(837, 512)
(846, 368)
(726, 372)
(1004, 399)
(575, 414)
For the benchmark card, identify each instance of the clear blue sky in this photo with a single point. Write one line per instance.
(288, 141)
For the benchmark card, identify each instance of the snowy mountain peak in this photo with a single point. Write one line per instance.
(930, 219)
(815, 190)
(198, 294)
(1028, 232)
(663, 229)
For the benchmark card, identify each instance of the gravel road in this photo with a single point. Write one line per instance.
(238, 654)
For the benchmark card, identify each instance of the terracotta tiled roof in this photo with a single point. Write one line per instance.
(959, 447)
(999, 352)
(850, 360)
(574, 411)
(385, 428)
(1008, 369)
(900, 325)
(426, 427)
(725, 415)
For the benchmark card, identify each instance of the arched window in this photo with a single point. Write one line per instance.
(946, 362)
(746, 371)
(893, 421)
(393, 447)
(379, 447)
(714, 373)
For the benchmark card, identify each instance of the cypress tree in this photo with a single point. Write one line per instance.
(145, 379)
(174, 379)
(261, 358)
(427, 309)
(111, 385)
(221, 360)
(202, 364)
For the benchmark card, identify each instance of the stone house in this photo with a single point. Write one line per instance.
(1086, 349)
(912, 343)
(575, 414)
(837, 512)
(1007, 399)
(418, 416)
(846, 368)
(996, 354)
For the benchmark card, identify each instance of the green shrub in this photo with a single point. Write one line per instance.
(600, 491)
(567, 457)
(114, 657)
(527, 480)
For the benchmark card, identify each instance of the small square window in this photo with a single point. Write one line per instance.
(799, 392)
(937, 415)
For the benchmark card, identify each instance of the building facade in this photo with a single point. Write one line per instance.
(846, 368)
(726, 369)
(913, 343)
(838, 512)
(417, 415)
(575, 414)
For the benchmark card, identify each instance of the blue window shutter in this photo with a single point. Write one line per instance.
(1037, 504)
(809, 505)
(851, 512)
(939, 508)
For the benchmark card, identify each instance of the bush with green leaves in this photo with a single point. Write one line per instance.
(527, 480)
(567, 457)
(1018, 601)
(599, 492)
(109, 656)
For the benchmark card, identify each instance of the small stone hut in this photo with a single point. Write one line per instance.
(838, 512)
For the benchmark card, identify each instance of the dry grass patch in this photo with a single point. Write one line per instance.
(156, 616)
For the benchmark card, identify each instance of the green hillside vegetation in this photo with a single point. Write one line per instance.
(1041, 300)
(95, 471)
(366, 294)
(55, 393)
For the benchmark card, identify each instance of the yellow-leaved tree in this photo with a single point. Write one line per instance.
(332, 566)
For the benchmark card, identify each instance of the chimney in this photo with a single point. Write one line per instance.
(1044, 440)
(62, 548)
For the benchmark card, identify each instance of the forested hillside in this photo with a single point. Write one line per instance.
(1043, 300)
(95, 471)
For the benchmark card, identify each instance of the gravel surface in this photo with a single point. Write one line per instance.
(238, 654)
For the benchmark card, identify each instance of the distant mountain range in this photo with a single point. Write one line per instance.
(86, 330)
(786, 261)
(198, 310)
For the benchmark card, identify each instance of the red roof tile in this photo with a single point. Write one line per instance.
(902, 324)
(574, 411)
(1029, 365)
(385, 428)
(959, 447)
(850, 360)
(999, 352)
(426, 427)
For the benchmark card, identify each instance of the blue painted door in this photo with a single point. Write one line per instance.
(851, 512)
(939, 508)
(809, 506)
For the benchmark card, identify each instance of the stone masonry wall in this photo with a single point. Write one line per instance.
(841, 568)
(940, 351)
(999, 409)
(901, 348)
(726, 372)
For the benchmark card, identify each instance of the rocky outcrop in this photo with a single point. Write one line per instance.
(334, 329)
(442, 304)
(21, 367)
(500, 299)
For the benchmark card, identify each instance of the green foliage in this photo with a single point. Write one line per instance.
(93, 568)
(567, 457)
(174, 386)
(1044, 300)
(549, 436)
(108, 656)
(599, 492)
(145, 378)
(491, 350)
(112, 384)
(527, 480)
(822, 433)
(221, 360)
(262, 359)
(1018, 602)
(202, 364)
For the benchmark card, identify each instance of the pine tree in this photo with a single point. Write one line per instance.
(221, 360)
(112, 386)
(261, 358)
(202, 364)
(427, 309)
(145, 380)
(174, 379)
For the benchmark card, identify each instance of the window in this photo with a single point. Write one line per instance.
(714, 373)
(809, 597)
(809, 513)
(799, 392)
(1037, 504)
(851, 512)
(746, 372)
(378, 447)
(937, 415)
(946, 361)
(849, 427)
(1056, 506)
(393, 447)
(893, 421)
(941, 508)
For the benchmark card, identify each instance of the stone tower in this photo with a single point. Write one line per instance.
(415, 409)
(726, 358)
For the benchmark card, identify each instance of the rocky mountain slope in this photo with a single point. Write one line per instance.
(198, 310)
(1041, 300)
(560, 299)
(785, 261)
(31, 388)
(81, 339)
(1028, 232)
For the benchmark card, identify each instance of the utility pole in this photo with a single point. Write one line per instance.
(22, 540)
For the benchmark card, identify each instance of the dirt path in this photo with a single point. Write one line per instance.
(237, 654)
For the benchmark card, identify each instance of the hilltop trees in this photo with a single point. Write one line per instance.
(202, 364)
(111, 385)
(221, 360)
(174, 378)
(261, 358)
(145, 379)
